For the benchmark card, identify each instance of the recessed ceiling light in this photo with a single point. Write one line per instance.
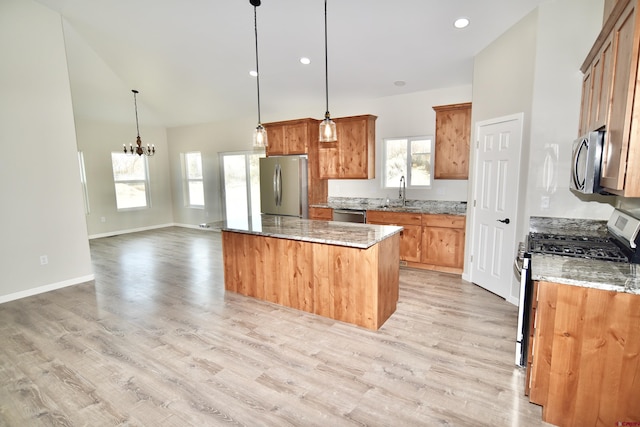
(253, 73)
(461, 22)
(399, 83)
(304, 60)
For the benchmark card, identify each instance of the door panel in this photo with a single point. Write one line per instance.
(496, 196)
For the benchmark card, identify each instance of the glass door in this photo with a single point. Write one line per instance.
(240, 184)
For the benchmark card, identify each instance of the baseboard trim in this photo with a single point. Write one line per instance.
(130, 230)
(46, 288)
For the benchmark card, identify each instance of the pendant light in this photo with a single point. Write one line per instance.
(260, 133)
(327, 126)
(149, 150)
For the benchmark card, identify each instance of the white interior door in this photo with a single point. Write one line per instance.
(499, 144)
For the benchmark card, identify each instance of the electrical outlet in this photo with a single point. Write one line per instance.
(103, 219)
(44, 260)
(544, 202)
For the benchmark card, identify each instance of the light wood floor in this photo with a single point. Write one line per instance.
(156, 341)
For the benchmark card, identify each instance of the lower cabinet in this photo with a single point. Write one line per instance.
(443, 240)
(585, 358)
(428, 241)
(410, 235)
(321, 213)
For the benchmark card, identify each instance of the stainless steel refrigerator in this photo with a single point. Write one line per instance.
(283, 186)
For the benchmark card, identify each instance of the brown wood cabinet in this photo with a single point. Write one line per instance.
(352, 156)
(325, 214)
(610, 98)
(411, 235)
(300, 136)
(289, 137)
(428, 241)
(453, 132)
(443, 240)
(585, 367)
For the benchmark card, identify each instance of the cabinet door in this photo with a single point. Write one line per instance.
(295, 137)
(352, 156)
(321, 213)
(275, 135)
(443, 246)
(603, 69)
(453, 132)
(614, 156)
(585, 104)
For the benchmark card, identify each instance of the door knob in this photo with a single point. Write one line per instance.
(504, 221)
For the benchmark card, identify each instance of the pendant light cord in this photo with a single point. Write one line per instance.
(135, 103)
(255, 26)
(326, 60)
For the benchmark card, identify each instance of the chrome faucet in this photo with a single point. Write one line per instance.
(403, 190)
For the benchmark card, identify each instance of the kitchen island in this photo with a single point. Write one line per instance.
(344, 271)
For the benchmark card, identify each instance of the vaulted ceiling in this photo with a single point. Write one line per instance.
(190, 60)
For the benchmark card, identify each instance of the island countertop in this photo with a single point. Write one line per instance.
(352, 235)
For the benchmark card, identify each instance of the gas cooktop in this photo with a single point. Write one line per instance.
(592, 247)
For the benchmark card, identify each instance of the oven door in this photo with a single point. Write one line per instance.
(586, 163)
(524, 311)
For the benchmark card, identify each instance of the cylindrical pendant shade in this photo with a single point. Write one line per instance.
(260, 139)
(328, 130)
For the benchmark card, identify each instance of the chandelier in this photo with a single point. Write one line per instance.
(260, 133)
(149, 150)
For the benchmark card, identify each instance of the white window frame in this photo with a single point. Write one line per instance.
(144, 181)
(408, 177)
(188, 180)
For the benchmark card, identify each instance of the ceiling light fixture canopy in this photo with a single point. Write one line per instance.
(260, 133)
(327, 126)
(149, 150)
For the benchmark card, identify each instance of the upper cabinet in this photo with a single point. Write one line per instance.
(289, 137)
(610, 99)
(352, 156)
(453, 132)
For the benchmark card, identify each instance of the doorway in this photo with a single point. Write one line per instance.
(497, 179)
(240, 184)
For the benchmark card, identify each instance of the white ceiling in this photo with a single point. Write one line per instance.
(190, 59)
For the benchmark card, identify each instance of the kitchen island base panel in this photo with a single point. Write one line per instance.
(358, 286)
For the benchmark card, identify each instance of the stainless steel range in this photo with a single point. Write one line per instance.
(620, 244)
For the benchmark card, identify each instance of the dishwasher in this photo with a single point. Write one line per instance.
(350, 215)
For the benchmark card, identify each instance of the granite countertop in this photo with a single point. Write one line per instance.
(413, 206)
(327, 232)
(605, 275)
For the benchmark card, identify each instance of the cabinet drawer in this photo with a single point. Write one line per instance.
(445, 221)
(321, 213)
(391, 218)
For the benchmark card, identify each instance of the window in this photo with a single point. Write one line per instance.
(409, 157)
(241, 184)
(83, 182)
(194, 182)
(131, 180)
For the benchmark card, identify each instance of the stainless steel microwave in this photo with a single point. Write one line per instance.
(586, 163)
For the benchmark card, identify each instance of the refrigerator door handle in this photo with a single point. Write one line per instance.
(279, 202)
(275, 185)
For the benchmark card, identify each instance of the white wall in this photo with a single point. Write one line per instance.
(43, 210)
(405, 115)
(534, 68)
(566, 31)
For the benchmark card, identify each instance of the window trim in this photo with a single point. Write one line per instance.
(408, 176)
(187, 180)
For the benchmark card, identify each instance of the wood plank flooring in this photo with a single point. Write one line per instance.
(155, 341)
